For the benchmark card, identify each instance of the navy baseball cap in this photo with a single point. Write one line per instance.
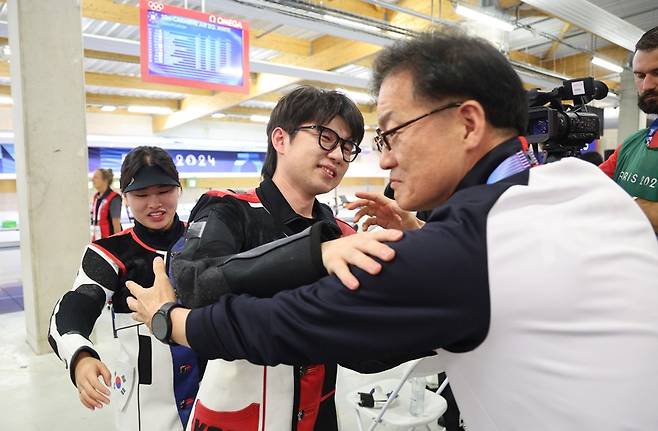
(149, 176)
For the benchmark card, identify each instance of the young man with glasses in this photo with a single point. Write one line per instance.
(313, 135)
(537, 286)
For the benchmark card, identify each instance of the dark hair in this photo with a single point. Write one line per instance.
(306, 104)
(454, 65)
(142, 156)
(648, 41)
(107, 175)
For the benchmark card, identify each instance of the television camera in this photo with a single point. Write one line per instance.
(563, 130)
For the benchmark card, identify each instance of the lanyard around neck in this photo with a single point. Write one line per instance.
(517, 162)
(652, 139)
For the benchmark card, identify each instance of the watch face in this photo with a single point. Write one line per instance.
(159, 326)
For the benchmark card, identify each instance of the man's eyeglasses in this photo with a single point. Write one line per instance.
(381, 140)
(329, 139)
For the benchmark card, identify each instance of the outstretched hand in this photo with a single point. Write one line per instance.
(92, 392)
(382, 211)
(147, 301)
(358, 250)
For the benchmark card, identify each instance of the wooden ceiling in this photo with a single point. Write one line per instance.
(325, 52)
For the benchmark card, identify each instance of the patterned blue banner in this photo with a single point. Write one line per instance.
(187, 161)
(7, 159)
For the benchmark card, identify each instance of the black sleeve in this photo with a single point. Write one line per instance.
(75, 314)
(433, 294)
(215, 233)
(79, 308)
(209, 267)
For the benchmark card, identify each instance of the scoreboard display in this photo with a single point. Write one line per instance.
(190, 48)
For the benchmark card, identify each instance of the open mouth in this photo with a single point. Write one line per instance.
(329, 171)
(157, 215)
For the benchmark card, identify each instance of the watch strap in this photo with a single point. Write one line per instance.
(166, 310)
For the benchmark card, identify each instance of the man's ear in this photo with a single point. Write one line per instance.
(473, 119)
(279, 139)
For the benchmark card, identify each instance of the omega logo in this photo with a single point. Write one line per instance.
(216, 19)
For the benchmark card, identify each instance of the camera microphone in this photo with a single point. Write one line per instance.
(600, 90)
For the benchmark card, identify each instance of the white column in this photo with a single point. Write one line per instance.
(47, 85)
(629, 113)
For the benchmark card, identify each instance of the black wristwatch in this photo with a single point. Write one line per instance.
(161, 322)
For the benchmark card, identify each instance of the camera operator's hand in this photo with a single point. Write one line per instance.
(382, 211)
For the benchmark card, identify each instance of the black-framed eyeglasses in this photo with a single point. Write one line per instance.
(328, 140)
(381, 140)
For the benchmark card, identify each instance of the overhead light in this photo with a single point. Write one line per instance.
(607, 64)
(108, 108)
(259, 118)
(259, 104)
(350, 23)
(395, 35)
(358, 96)
(484, 18)
(157, 110)
(6, 100)
(218, 115)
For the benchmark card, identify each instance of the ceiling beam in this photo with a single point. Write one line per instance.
(242, 110)
(524, 57)
(550, 52)
(439, 9)
(121, 81)
(580, 65)
(357, 7)
(107, 10)
(281, 43)
(195, 107)
(366, 61)
(593, 19)
(307, 73)
(111, 56)
(507, 4)
(118, 111)
(111, 99)
(301, 18)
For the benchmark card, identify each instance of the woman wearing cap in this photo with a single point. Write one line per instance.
(106, 206)
(153, 385)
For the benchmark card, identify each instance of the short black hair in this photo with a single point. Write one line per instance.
(454, 65)
(310, 104)
(648, 41)
(142, 156)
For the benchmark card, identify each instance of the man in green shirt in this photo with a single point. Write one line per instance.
(634, 164)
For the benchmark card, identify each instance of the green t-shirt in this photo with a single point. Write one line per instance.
(637, 167)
